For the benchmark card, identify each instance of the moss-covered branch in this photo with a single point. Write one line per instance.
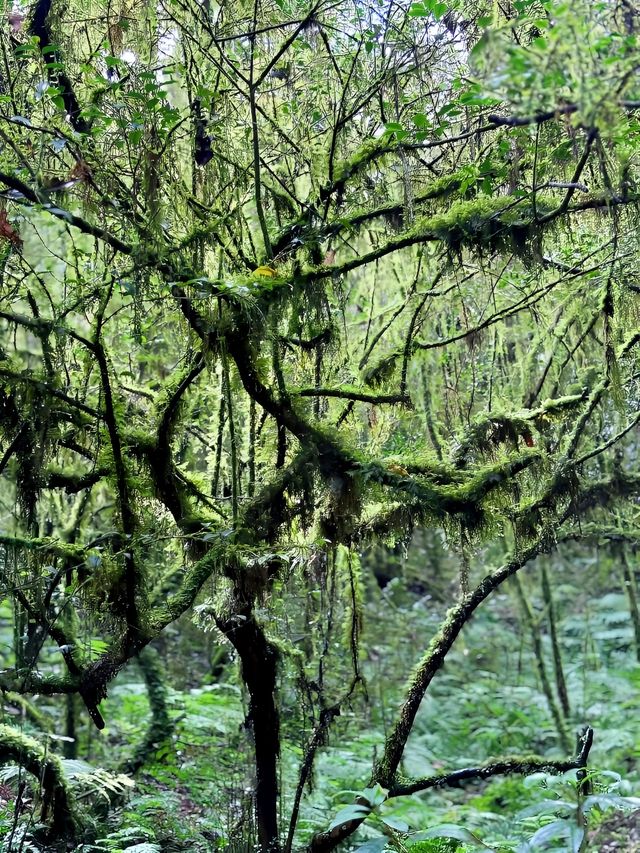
(30, 711)
(57, 803)
(347, 393)
(16, 378)
(512, 765)
(433, 659)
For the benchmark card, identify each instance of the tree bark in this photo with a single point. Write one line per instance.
(259, 658)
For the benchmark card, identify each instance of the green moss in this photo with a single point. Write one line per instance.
(45, 545)
(489, 431)
(138, 440)
(559, 406)
(489, 478)
(218, 556)
(161, 725)
(381, 371)
(472, 499)
(57, 805)
(367, 152)
(104, 583)
(426, 464)
(494, 222)
(447, 184)
(463, 180)
(30, 711)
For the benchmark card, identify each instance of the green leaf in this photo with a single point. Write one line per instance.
(559, 829)
(395, 823)
(451, 830)
(373, 845)
(610, 801)
(439, 10)
(349, 813)
(374, 796)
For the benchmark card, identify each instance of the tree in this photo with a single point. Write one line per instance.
(282, 279)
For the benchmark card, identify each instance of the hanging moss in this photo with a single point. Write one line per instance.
(493, 222)
(489, 478)
(349, 577)
(471, 499)
(394, 525)
(493, 429)
(344, 505)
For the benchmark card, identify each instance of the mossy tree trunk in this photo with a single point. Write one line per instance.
(161, 725)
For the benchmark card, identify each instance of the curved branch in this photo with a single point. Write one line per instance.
(506, 766)
(57, 803)
(357, 396)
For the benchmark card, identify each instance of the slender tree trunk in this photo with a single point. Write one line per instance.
(561, 684)
(251, 489)
(259, 660)
(631, 589)
(534, 631)
(70, 748)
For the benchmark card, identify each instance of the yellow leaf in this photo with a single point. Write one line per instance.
(397, 469)
(265, 270)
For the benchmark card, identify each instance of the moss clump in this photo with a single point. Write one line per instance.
(493, 429)
(495, 223)
(464, 181)
(488, 433)
(381, 371)
(491, 477)
(426, 464)
(367, 152)
(448, 184)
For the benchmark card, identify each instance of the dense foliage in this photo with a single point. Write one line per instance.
(286, 287)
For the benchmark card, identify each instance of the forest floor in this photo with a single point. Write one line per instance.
(618, 834)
